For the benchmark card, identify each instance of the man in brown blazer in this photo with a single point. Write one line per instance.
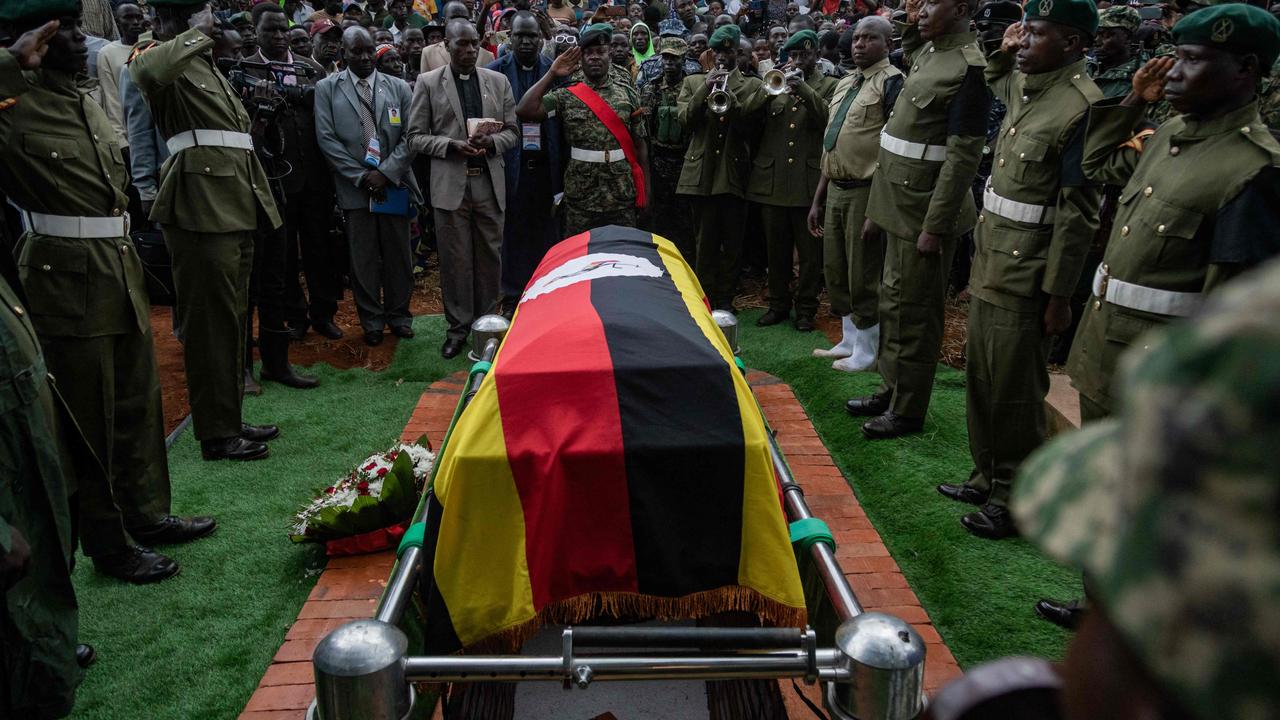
(468, 185)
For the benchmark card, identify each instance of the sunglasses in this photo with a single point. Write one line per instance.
(565, 39)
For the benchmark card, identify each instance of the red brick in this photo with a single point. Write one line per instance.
(800, 446)
(939, 652)
(296, 650)
(888, 596)
(289, 673)
(281, 697)
(313, 629)
(348, 588)
(830, 487)
(876, 581)
(782, 413)
(383, 559)
(807, 471)
(852, 551)
(827, 507)
(848, 523)
(795, 707)
(928, 633)
(855, 537)
(274, 715)
(909, 613)
(856, 566)
(793, 428)
(338, 609)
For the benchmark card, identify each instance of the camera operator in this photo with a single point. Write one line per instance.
(212, 193)
(304, 191)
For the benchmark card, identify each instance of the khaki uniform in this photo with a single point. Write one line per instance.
(1198, 207)
(716, 167)
(784, 177)
(928, 159)
(211, 199)
(1039, 217)
(852, 268)
(87, 295)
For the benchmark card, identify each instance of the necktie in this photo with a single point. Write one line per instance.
(366, 109)
(833, 130)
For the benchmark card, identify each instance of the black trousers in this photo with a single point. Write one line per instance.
(313, 248)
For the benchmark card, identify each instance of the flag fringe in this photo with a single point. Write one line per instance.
(634, 606)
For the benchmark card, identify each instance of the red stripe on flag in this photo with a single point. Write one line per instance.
(574, 496)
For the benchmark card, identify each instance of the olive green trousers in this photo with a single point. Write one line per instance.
(851, 267)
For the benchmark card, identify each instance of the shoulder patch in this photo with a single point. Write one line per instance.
(140, 48)
(973, 55)
(7, 103)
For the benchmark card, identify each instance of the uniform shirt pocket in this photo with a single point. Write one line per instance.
(55, 278)
(1034, 164)
(762, 175)
(1014, 260)
(1176, 228)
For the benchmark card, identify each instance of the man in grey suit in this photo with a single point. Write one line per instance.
(353, 108)
(468, 185)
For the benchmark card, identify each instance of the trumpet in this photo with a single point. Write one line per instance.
(718, 95)
(775, 81)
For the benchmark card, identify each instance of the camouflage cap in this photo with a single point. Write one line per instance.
(1120, 16)
(11, 10)
(1173, 507)
(673, 46)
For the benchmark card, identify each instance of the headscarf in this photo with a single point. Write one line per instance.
(649, 51)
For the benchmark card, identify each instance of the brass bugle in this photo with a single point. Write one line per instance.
(718, 95)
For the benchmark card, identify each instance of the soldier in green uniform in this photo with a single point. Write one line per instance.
(1199, 200)
(1039, 216)
(1114, 59)
(599, 187)
(669, 214)
(784, 177)
(213, 194)
(921, 196)
(859, 108)
(88, 299)
(716, 165)
(1170, 509)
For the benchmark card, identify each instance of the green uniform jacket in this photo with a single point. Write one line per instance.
(1018, 264)
(202, 189)
(719, 155)
(944, 102)
(38, 625)
(1199, 205)
(63, 160)
(788, 161)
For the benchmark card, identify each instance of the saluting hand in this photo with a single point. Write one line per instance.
(567, 63)
(1148, 82)
(1012, 38)
(203, 21)
(30, 48)
(913, 10)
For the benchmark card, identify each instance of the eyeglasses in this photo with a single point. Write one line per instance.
(565, 39)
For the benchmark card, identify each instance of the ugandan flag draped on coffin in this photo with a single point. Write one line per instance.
(613, 463)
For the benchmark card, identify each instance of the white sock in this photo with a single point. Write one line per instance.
(864, 354)
(848, 339)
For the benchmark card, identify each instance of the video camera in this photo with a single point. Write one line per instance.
(266, 88)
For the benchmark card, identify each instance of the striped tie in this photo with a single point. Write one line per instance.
(366, 109)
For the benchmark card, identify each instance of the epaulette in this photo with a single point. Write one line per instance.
(1139, 141)
(1087, 87)
(973, 55)
(140, 48)
(7, 103)
(1259, 135)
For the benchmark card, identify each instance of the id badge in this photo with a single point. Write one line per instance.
(531, 136)
(393, 115)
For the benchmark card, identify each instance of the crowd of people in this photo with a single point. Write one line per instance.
(1083, 173)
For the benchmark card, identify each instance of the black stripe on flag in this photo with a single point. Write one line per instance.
(681, 430)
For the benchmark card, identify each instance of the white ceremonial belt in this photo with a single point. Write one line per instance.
(210, 138)
(596, 156)
(1014, 210)
(1146, 299)
(915, 151)
(70, 226)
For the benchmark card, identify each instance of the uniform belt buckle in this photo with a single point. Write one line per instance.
(474, 171)
(1106, 279)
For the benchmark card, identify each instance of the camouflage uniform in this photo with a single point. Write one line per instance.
(1269, 104)
(671, 216)
(1170, 508)
(597, 193)
(1117, 81)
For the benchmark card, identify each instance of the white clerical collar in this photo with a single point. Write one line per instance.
(463, 77)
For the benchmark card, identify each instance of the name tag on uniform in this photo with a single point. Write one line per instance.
(531, 136)
(393, 116)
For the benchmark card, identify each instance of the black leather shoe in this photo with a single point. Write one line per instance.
(402, 331)
(869, 406)
(259, 433)
(233, 448)
(373, 338)
(991, 522)
(452, 348)
(1063, 614)
(137, 565)
(327, 329)
(85, 655)
(962, 493)
(173, 530)
(298, 332)
(772, 317)
(888, 425)
(803, 324)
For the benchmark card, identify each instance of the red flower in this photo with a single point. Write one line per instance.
(393, 454)
(329, 491)
(381, 472)
(362, 488)
(371, 466)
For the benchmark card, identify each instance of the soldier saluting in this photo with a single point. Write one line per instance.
(1039, 215)
(213, 194)
(921, 196)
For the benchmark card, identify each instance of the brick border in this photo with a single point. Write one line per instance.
(349, 587)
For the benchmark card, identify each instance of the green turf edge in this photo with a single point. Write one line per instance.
(979, 593)
(195, 646)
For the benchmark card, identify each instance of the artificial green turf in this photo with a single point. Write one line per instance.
(979, 593)
(196, 645)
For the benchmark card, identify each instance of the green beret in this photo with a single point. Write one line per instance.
(803, 40)
(1120, 16)
(726, 37)
(1078, 14)
(11, 10)
(595, 34)
(1234, 27)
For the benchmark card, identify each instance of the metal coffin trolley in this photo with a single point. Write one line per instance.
(871, 665)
